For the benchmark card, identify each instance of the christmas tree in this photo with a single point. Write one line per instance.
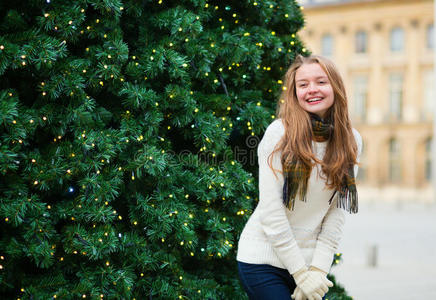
(128, 142)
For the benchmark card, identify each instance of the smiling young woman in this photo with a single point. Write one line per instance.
(287, 246)
(313, 89)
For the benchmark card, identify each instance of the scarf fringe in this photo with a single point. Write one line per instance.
(348, 200)
(290, 189)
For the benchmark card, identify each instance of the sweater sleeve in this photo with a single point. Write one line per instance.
(272, 210)
(332, 227)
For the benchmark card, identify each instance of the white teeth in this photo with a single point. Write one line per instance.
(314, 99)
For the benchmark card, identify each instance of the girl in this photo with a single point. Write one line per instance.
(307, 166)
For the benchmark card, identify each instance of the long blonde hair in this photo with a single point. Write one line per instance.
(341, 150)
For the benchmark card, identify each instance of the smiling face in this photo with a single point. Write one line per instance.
(313, 89)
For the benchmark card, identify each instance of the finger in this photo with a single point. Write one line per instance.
(316, 296)
(299, 295)
(319, 293)
(324, 288)
(329, 283)
(310, 297)
(294, 294)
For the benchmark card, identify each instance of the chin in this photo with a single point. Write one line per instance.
(319, 112)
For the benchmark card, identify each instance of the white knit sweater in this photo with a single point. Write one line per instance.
(290, 239)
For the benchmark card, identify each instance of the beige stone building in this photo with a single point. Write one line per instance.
(384, 50)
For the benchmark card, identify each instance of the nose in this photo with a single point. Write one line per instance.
(313, 87)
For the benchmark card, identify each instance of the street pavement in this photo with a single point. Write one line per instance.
(404, 236)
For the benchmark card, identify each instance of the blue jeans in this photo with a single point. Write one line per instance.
(265, 282)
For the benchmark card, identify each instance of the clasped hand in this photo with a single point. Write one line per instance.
(312, 284)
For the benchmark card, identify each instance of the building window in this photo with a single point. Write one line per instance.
(397, 39)
(429, 95)
(394, 161)
(396, 96)
(430, 36)
(360, 94)
(361, 42)
(327, 45)
(361, 172)
(428, 154)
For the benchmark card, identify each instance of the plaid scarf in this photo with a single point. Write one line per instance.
(296, 174)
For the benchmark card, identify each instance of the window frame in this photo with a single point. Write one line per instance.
(361, 42)
(397, 40)
(396, 95)
(330, 43)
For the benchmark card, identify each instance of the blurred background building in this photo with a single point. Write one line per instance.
(384, 50)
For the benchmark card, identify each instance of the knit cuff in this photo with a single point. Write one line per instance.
(295, 263)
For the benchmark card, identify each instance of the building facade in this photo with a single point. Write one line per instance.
(384, 50)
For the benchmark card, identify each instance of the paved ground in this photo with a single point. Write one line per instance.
(405, 237)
